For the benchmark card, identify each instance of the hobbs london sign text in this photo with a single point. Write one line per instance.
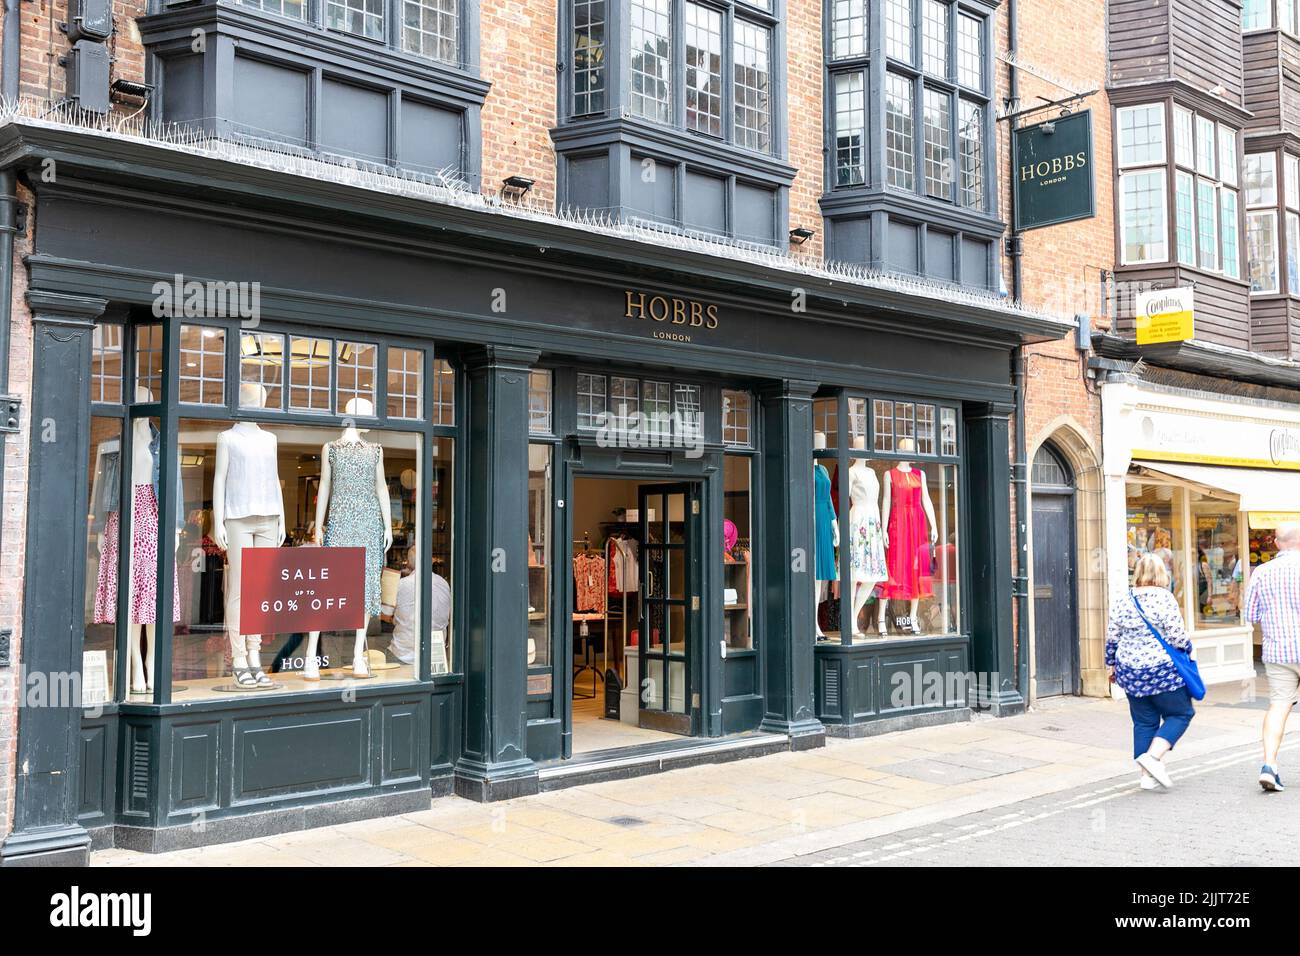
(1053, 164)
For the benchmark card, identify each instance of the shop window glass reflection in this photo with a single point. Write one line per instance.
(99, 654)
(202, 376)
(883, 414)
(826, 417)
(405, 382)
(261, 363)
(539, 401)
(245, 485)
(309, 374)
(148, 362)
(1155, 526)
(356, 364)
(539, 560)
(737, 560)
(444, 393)
(1219, 568)
(106, 364)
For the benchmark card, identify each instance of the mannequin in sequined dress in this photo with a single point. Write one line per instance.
(353, 511)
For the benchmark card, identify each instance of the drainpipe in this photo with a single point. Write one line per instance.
(9, 73)
(1020, 469)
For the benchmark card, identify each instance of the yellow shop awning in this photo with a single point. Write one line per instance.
(1270, 496)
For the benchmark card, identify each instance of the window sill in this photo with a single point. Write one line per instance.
(851, 200)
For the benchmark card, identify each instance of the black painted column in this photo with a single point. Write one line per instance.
(45, 829)
(993, 650)
(787, 543)
(494, 764)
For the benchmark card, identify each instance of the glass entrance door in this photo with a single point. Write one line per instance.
(670, 606)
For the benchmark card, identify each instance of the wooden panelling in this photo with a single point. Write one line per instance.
(1289, 66)
(1139, 41)
(1206, 40)
(1260, 53)
(1270, 326)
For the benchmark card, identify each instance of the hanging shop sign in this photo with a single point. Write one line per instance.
(291, 590)
(1053, 171)
(1165, 315)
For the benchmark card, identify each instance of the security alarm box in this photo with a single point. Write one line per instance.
(88, 70)
(90, 20)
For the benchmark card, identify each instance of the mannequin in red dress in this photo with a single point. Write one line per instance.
(910, 531)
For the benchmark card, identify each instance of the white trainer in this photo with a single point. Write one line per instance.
(1157, 769)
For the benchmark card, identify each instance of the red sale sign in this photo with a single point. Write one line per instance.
(287, 590)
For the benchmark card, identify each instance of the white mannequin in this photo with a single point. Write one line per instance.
(363, 408)
(232, 533)
(819, 442)
(141, 473)
(864, 506)
(905, 445)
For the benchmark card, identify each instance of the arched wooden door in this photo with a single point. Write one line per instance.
(1056, 618)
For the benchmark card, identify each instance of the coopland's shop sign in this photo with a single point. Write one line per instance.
(1216, 440)
(1165, 315)
(671, 318)
(1053, 164)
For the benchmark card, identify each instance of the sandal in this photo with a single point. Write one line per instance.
(245, 677)
(262, 680)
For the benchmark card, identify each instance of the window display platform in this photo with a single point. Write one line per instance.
(207, 688)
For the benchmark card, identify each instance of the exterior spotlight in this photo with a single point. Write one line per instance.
(516, 186)
(799, 235)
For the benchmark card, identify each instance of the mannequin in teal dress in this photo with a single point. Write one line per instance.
(826, 530)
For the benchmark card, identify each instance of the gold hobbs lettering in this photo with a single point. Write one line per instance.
(674, 311)
(1053, 167)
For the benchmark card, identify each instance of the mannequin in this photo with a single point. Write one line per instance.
(247, 512)
(826, 531)
(143, 561)
(353, 508)
(866, 537)
(909, 524)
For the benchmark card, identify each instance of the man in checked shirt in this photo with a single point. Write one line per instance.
(1273, 602)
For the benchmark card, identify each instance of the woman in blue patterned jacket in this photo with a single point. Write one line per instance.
(1158, 699)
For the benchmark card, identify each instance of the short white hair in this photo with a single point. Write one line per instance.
(1287, 534)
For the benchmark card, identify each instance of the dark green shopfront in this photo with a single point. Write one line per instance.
(497, 372)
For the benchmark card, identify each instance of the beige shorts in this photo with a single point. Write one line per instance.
(1283, 683)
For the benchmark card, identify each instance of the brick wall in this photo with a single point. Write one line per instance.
(804, 108)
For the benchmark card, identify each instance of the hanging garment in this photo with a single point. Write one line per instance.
(355, 519)
(730, 535)
(589, 583)
(866, 538)
(630, 569)
(143, 599)
(824, 526)
(909, 539)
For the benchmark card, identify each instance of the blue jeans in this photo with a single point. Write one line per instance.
(1160, 715)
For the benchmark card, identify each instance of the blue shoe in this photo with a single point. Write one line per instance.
(1270, 780)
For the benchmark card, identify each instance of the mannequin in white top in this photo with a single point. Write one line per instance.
(906, 445)
(864, 513)
(247, 512)
(351, 435)
(821, 588)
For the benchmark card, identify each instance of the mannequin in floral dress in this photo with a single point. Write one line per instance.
(910, 532)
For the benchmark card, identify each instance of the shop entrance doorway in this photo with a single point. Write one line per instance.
(635, 612)
(1056, 619)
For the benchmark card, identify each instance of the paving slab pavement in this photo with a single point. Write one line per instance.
(762, 810)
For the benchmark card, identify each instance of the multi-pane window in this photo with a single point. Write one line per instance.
(148, 363)
(898, 29)
(1207, 224)
(261, 364)
(106, 364)
(753, 60)
(1288, 15)
(938, 149)
(970, 52)
(899, 146)
(934, 38)
(592, 398)
(355, 392)
(848, 29)
(310, 370)
(1291, 167)
(737, 418)
(539, 402)
(687, 407)
(1256, 14)
(1184, 151)
(1205, 144)
(882, 411)
(362, 17)
(1143, 207)
(295, 9)
(1262, 245)
(1228, 233)
(1205, 180)
(723, 61)
(703, 69)
(850, 129)
(405, 383)
(624, 402)
(657, 406)
(588, 57)
(203, 365)
(651, 39)
(431, 28)
(970, 142)
(444, 393)
(1185, 217)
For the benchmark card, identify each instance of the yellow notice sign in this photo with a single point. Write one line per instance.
(1271, 519)
(1165, 315)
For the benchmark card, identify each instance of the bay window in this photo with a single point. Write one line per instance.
(1262, 244)
(1291, 165)
(723, 56)
(932, 106)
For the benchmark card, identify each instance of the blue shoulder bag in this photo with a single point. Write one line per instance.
(1182, 660)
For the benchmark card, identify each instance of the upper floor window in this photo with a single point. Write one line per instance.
(722, 56)
(1206, 212)
(1143, 205)
(296, 9)
(1256, 14)
(427, 28)
(362, 17)
(430, 28)
(589, 19)
(1263, 197)
(935, 78)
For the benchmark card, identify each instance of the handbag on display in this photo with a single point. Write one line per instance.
(1183, 661)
